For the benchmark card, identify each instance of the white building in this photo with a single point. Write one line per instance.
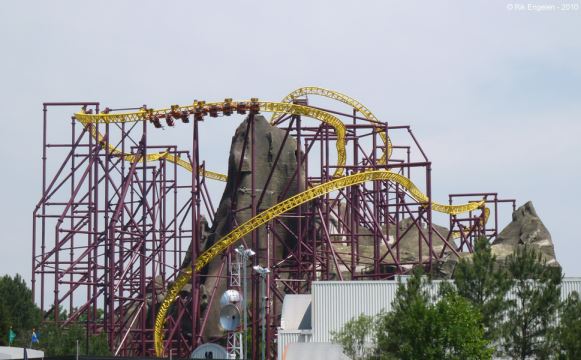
(312, 317)
(10, 352)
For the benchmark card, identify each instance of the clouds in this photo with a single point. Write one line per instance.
(492, 92)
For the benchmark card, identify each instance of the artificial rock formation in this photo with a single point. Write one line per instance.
(410, 243)
(526, 228)
(238, 195)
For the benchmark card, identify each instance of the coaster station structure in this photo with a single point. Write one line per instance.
(118, 213)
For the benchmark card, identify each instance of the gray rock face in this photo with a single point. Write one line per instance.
(410, 243)
(443, 267)
(526, 228)
(238, 195)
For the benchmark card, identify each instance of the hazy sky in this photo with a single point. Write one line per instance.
(491, 89)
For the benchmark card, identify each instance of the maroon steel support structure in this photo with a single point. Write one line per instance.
(110, 235)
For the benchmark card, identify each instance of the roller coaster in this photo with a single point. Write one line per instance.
(130, 227)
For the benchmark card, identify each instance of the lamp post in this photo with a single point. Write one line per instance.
(245, 254)
(262, 272)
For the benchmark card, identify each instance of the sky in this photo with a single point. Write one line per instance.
(492, 89)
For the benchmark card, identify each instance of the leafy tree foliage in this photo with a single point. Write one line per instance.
(485, 286)
(531, 315)
(568, 334)
(58, 341)
(4, 326)
(515, 308)
(17, 310)
(417, 328)
(407, 328)
(352, 337)
(461, 333)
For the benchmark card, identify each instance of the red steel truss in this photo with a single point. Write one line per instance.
(110, 235)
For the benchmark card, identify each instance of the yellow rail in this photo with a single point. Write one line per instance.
(215, 107)
(277, 210)
(276, 108)
(335, 95)
(459, 233)
(200, 109)
(153, 157)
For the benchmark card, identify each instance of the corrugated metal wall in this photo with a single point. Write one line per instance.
(336, 302)
(569, 285)
(291, 336)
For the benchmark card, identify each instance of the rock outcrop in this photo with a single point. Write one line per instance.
(238, 195)
(526, 228)
(410, 243)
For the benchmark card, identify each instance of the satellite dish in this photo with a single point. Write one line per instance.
(209, 351)
(230, 317)
(230, 297)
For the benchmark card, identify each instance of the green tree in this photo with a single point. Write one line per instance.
(460, 327)
(99, 345)
(530, 317)
(4, 325)
(61, 340)
(568, 333)
(405, 331)
(485, 285)
(17, 310)
(356, 337)
(416, 328)
(57, 340)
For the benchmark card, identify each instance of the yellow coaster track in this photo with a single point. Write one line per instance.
(152, 157)
(202, 107)
(277, 210)
(464, 232)
(225, 107)
(335, 95)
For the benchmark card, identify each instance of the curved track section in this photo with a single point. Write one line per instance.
(153, 157)
(279, 209)
(464, 232)
(201, 108)
(226, 107)
(335, 95)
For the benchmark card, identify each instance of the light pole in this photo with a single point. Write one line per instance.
(245, 254)
(263, 272)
